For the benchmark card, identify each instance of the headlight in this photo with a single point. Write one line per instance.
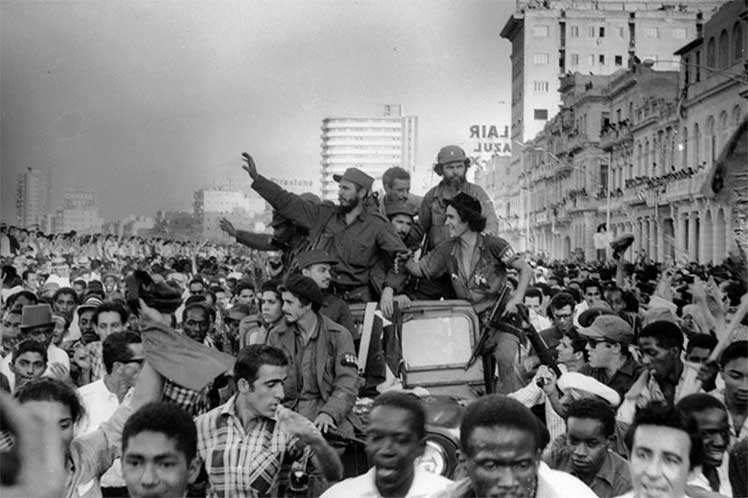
(434, 458)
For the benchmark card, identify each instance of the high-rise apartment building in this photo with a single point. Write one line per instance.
(554, 37)
(372, 144)
(551, 38)
(32, 198)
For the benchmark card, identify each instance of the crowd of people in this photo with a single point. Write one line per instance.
(144, 366)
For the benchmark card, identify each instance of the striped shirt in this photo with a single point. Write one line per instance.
(241, 463)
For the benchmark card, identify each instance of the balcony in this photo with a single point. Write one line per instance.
(615, 135)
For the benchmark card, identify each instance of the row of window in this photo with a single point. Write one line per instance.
(721, 59)
(543, 58)
(542, 31)
(574, 59)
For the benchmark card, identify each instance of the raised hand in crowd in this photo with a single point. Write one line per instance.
(227, 227)
(36, 455)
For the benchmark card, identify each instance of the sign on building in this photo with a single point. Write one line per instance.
(490, 140)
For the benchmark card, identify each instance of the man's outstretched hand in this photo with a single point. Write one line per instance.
(227, 227)
(249, 166)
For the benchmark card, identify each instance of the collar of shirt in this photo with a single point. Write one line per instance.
(677, 374)
(229, 412)
(720, 395)
(629, 367)
(366, 487)
(607, 471)
(312, 336)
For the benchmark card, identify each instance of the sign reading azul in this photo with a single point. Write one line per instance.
(491, 139)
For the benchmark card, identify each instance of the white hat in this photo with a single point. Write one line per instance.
(58, 280)
(574, 380)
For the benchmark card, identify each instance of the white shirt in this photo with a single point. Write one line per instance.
(699, 480)
(540, 322)
(631, 494)
(532, 395)
(100, 404)
(557, 484)
(424, 484)
(56, 355)
(551, 484)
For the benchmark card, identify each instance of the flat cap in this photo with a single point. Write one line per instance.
(313, 257)
(356, 176)
(400, 207)
(588, 316)
(304, 287)
(610, 328)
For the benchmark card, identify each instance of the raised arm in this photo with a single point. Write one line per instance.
(302, 212)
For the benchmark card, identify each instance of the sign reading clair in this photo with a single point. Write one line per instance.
(491, 139)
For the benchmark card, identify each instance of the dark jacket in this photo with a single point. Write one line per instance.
(336, 372)
(357, 247)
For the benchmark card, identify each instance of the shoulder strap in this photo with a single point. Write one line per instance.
(315, 240)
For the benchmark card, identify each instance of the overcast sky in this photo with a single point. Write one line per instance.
(143, 102)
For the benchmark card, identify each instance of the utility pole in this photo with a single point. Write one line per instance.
(607, 208)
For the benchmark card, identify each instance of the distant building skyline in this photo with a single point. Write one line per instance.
(32, 199)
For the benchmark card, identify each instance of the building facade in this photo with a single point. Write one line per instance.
(32, 198)
(651, 138)
(372, 144)
(79, 212)
(553, 37)
(712, 76)
(210, 205)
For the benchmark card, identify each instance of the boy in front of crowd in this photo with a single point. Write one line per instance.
(159, 452)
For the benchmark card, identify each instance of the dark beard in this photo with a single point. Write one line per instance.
(353, 204)
(456, 182)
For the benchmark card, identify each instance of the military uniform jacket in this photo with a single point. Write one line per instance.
(433, 211)
(357, 247)
(486, 275)
(335, 365)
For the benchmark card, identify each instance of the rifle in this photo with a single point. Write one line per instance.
(538, 344)
(490, 325)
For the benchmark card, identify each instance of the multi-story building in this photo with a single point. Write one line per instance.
(32, 198)
(553, 37)
(652, 139)
(79, 212)
(648, 181)
(130, 225)
(711, 109)
(210, 205)
(564, 170)
(372, 144)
